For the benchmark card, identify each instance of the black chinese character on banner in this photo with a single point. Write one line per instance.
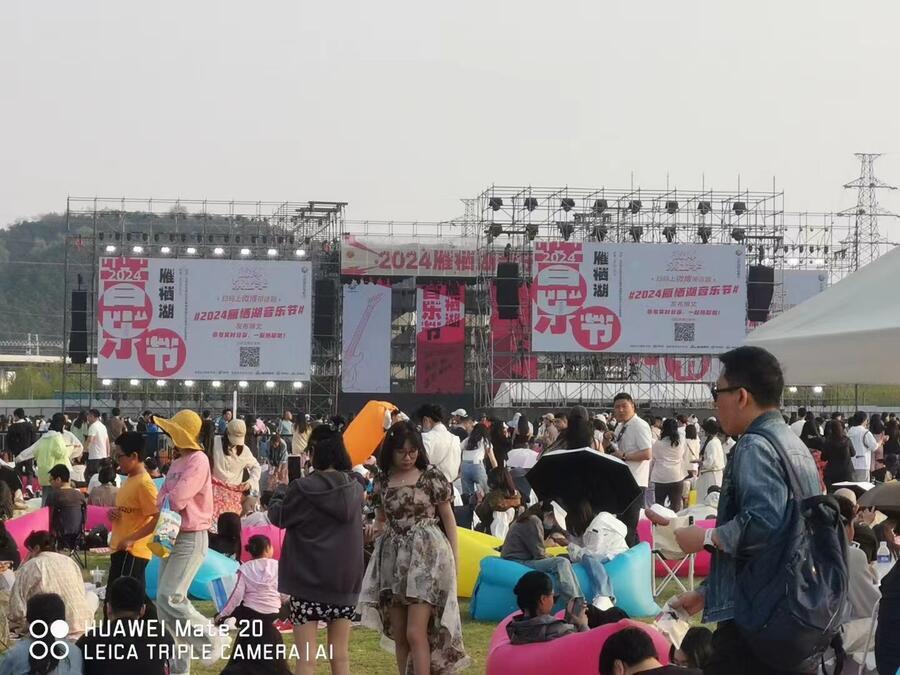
(601, 258)
(601, 290)
(167, 275)
(601, 274)
(166, 311)
(166, 293)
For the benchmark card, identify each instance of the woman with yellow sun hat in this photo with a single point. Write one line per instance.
(188, 491)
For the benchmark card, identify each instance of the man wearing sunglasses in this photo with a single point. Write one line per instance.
(753, 501)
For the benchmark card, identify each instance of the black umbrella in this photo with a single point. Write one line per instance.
(885, 497)
(570, 476)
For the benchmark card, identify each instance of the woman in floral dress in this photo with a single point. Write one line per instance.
(409, 589)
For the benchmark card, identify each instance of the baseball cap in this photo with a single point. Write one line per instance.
(459, 412)
(236, 431)
(548, 416)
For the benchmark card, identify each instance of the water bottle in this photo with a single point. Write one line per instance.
(883, 562)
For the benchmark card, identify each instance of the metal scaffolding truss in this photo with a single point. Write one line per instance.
(511, 219)
(210, 229)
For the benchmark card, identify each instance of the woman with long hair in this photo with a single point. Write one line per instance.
(322, 517)
(501, 496)
(667, 466)
(527, 542)
(232, 459)
(277, 458)
(500, 443)
(712, 459)
(227, 537)
(810, 433)
(409, 589)
(837, 452)
(475, 449)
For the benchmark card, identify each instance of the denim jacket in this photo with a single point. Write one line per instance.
(755, 493)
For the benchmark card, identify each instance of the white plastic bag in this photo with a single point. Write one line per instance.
(605, 536)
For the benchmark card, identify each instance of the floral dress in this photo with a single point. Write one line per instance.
(412, 562)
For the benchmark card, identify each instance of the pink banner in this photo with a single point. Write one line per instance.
(440, 339)
(511, 340)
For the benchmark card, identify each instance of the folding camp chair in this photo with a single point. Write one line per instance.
(67, 527)
(667, 552)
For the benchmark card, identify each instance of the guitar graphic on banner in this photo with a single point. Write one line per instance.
(353, 357)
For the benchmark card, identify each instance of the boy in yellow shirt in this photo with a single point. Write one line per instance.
(135, 514)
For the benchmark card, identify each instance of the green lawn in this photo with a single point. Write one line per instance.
(366, 655)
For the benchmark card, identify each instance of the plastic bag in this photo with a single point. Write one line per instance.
(605, 536)
(167, 528)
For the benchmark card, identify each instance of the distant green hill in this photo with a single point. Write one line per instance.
(32, 257)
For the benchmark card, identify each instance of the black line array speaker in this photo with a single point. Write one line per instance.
(508, 290)
(324, 303)
(78, 342)
(760, 288)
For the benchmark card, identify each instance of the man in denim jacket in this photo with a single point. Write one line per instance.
(754, 497)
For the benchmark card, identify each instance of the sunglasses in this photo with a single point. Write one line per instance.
(715, 391)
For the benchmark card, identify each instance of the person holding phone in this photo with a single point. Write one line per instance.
(537, 623)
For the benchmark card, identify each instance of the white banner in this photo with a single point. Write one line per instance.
(796, 286)
(638, 298)
(366, 365)
(204, 319)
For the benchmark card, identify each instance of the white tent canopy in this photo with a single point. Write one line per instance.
(848, 334)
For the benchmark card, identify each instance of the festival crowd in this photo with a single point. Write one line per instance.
(376, 544)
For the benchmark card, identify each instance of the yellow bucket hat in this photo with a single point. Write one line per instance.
(183, 428)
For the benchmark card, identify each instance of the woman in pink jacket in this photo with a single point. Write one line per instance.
(188, 491)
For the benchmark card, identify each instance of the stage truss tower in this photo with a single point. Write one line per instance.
(174, 228)
(512, 219)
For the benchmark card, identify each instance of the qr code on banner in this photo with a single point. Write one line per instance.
(249, 357)
(684, 332)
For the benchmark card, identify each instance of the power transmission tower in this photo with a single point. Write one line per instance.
(866, 239)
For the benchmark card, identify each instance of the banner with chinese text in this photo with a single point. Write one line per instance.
(366, 326)
(440, 338)
(638, 298)
(204, 319)
(511, 339)
(443, 257)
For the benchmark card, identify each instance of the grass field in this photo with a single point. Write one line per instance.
(366, 655)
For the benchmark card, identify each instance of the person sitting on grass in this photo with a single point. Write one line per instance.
(47, 571)
(140, 653)
(255, 603)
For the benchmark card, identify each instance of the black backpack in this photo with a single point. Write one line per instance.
(791, 600)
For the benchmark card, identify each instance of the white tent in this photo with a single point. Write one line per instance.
(848, 334)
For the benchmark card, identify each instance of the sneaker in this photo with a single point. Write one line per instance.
(283, 626)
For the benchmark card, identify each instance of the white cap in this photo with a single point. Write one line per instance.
(459, 412)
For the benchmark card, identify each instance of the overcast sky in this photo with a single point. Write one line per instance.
(401, 108)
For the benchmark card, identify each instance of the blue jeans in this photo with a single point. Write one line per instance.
(563, 576)
(599, 577)
(176, 572)
(473, 474)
